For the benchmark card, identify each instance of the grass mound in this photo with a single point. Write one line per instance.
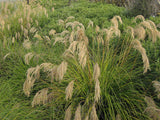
(81, 61)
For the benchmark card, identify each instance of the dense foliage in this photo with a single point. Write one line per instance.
(83, 61)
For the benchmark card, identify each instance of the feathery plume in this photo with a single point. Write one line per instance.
(53, 73)
(28, 26)
(64, 33)
(153, 35)
(69, 90)
(22, 28)
(32, 75)
(82, 55)
(71, 38)
(158, 25)
(81, 48)
(31, 20)
(97, 91)
(140, 33)
(13, 39)
(27, 44)
(93, 114)
(75, 24)
(52, 9)
(109, 34)
(118, 117)
(69, 18)
(28, 57)
(137, 45)
(33, 30)
(151, 109)
(96, 72)
(61, 70)
(52, 32)
(18, 35)
(73, 46)
(152, 30)
(59, 39)
(47, 39)
(131, 31)
(149, 101)
(156, 85)
(146, 25)
(100, 39)
(80, 36)
(152, 24)
(116, 31)
(158, 33)
(78, 113)
(90, 24)
(115, 20)
(153, 113)
(36, 21)
(97, 29)
(70, 24)
(40, 97)
(20, 20)
(47, 67)
(60, 22)
(139, 17)
(25, 32)
(4, 58)
(68, 113)
(50, 97)
(2, 22)
(38, 36)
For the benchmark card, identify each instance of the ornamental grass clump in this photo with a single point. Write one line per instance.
(95, 80)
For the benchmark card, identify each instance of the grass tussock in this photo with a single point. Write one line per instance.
(79, 68)
(78, 54)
